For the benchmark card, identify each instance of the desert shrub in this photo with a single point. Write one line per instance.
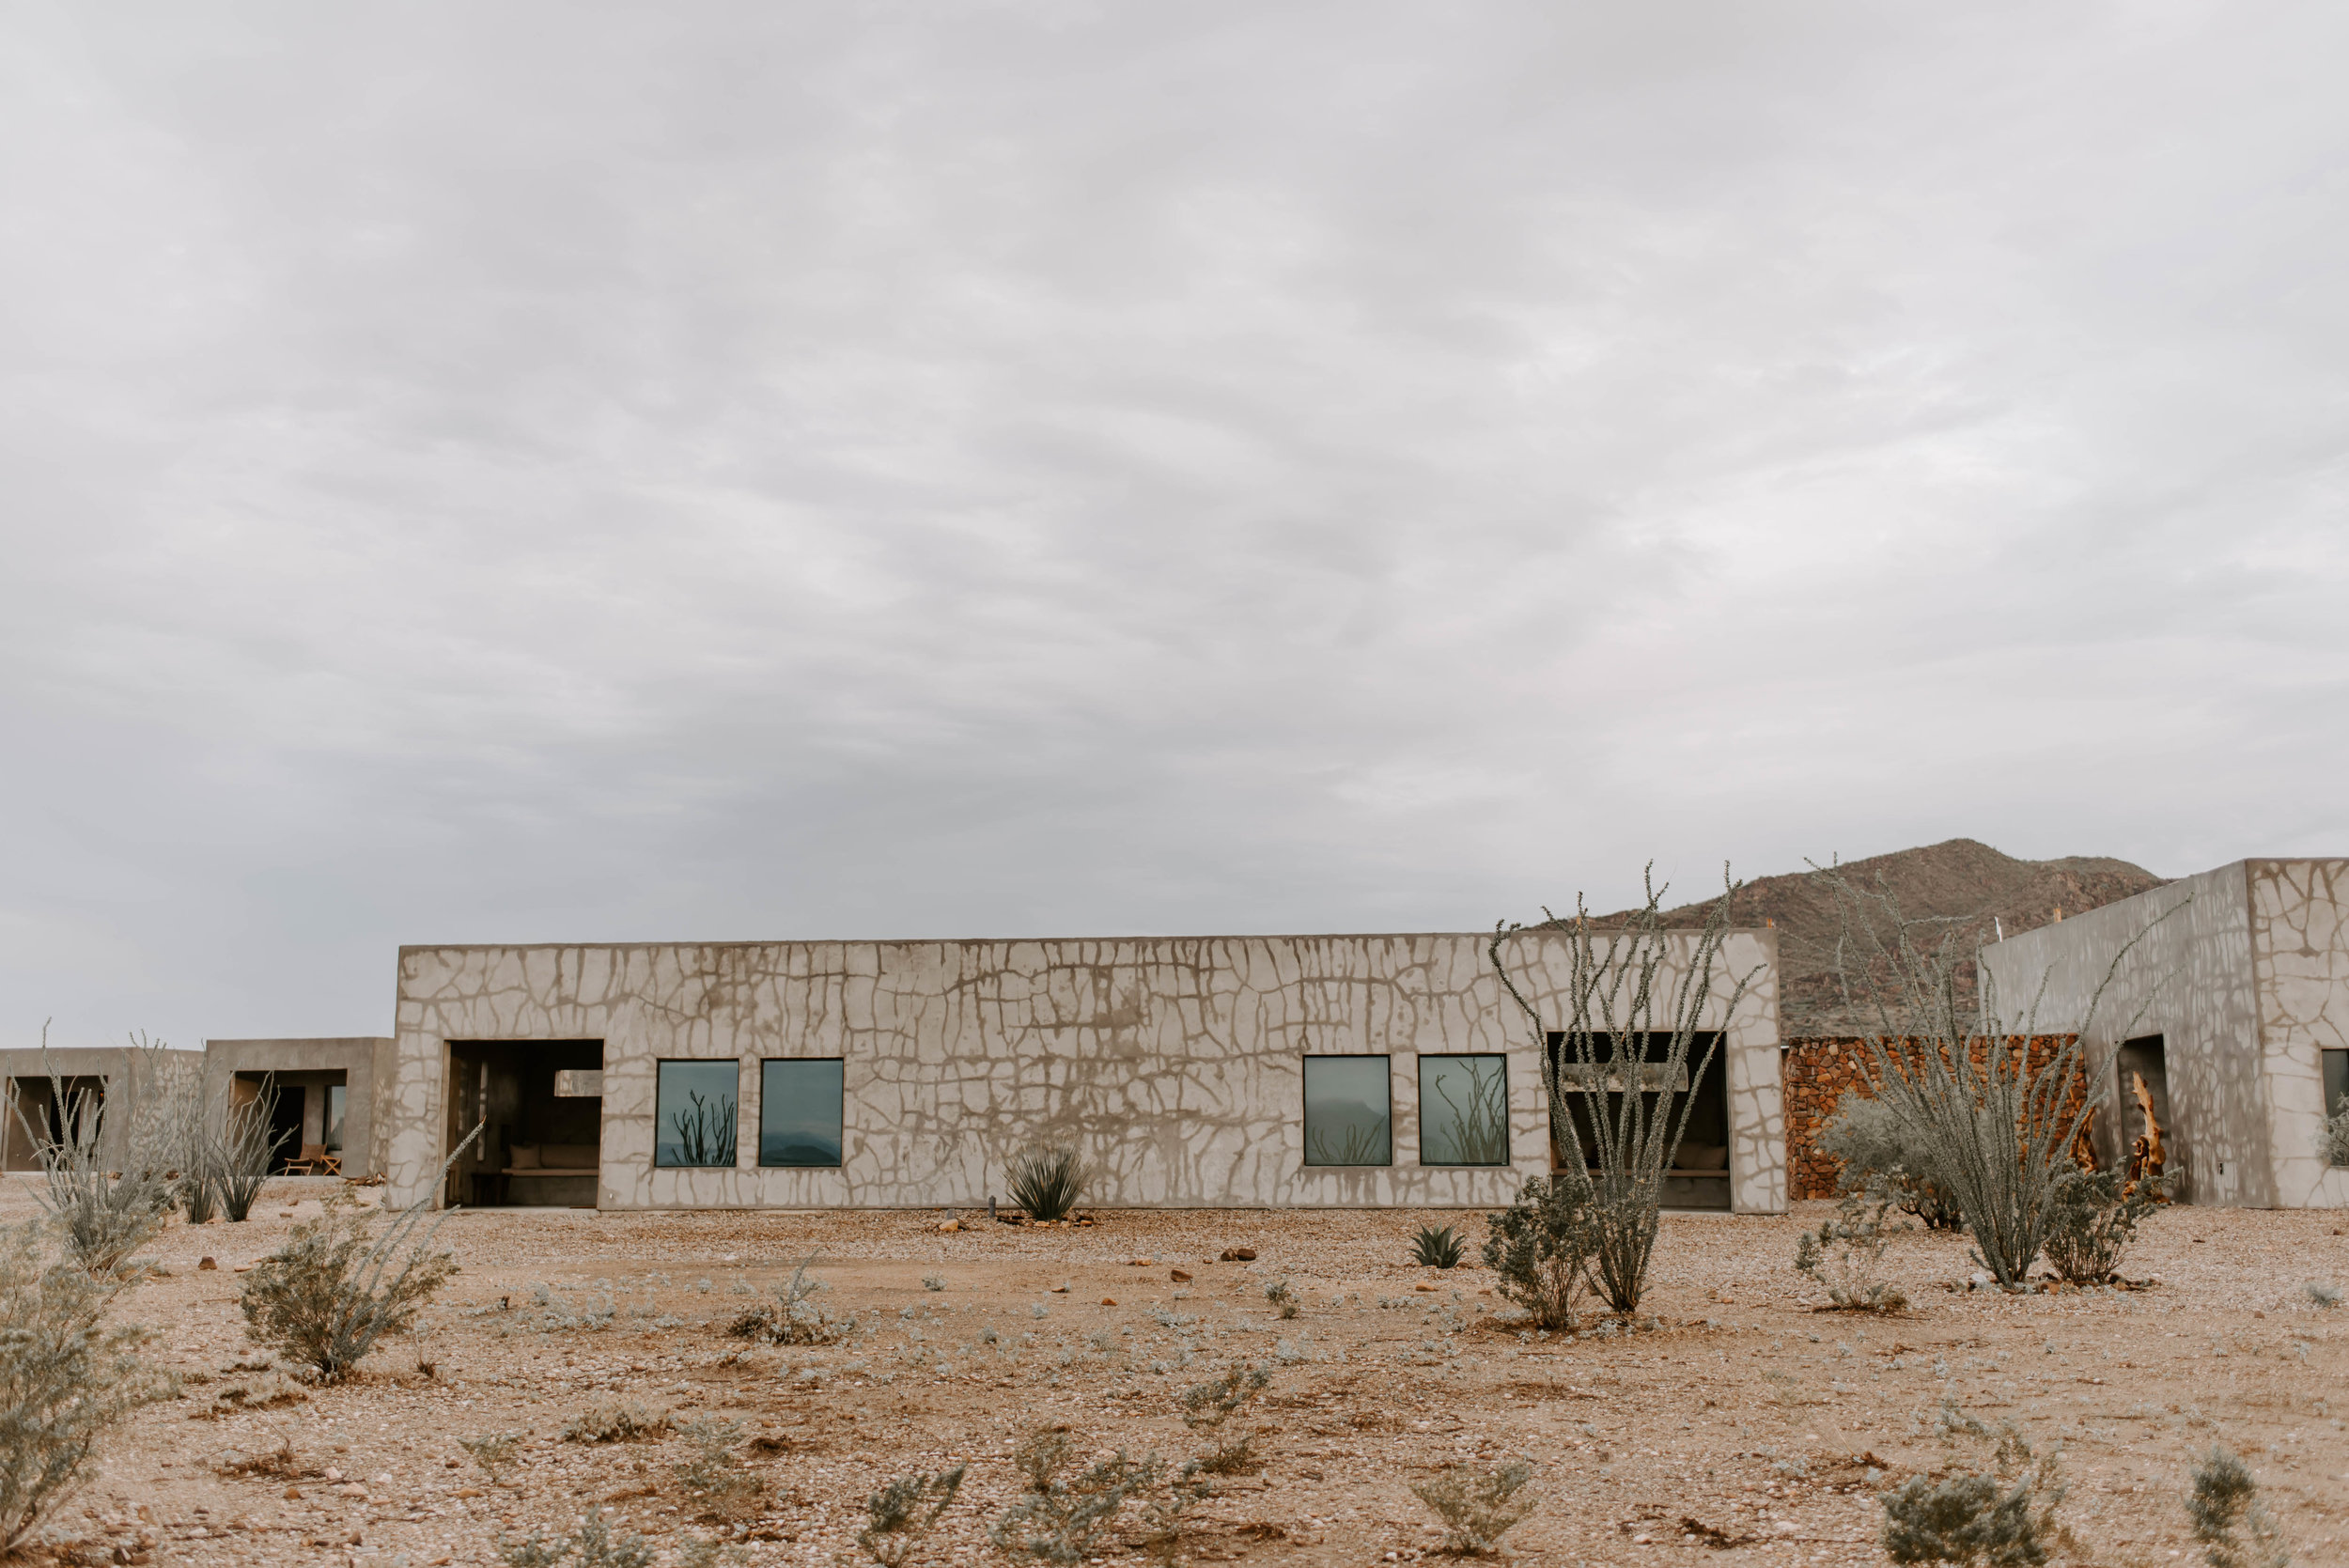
(711, 1473)
(591, 1545)
(1623, 1061)
(933, 1282)
(106, 1214)
(792, 1317)
(901, 1514)
(617, 1422)
(1283, 1299)
(1477, 1506)
(1878, 1153)
(2321, 1293)
(1995, 1131)
(1047, 1180)
(2092, 1221)
(1205, 1406)
(1062, 1516)
(2332, 1137)
(334, 1289)
(2229, 1518)
(1845, 1254)
(241, 1155)
(495, 1451)
(1539, 1247)
(2006, 1520)
(65, 1376)
(1437, 1247)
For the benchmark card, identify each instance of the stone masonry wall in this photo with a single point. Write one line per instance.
(1818, 1073)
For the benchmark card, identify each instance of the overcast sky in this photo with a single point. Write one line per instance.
(531, 473)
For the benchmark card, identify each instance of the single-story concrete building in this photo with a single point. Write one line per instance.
(324, 1095)
(2233, 1011)
(32, 1108)
(1216, 1071)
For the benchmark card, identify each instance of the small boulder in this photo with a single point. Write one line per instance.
(1239, 1255)
(1180, 1276)
(206, 1262)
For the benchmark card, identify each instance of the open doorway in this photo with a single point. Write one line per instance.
(37, 1115)
(1697, 1175)
(2148, 1144)
(540, 1107)
(303, 1110)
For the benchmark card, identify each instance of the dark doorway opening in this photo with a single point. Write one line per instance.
(1696, 1176)
(541, 1138)
(37, 1115)
(2142, 1088)
(286, 1104)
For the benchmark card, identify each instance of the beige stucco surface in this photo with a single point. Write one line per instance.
(2244, 971)
(1174, 1064)
(366, 1061)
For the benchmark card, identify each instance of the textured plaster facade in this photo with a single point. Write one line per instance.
(1174, 1064)
(2246, 983)
(365, 1062)
(115, 1066)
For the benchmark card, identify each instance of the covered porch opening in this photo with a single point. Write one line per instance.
(305, 1117)
(1698, 1174)
(35, 1115)
(540, 1103)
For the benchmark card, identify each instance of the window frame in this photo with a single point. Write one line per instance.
(766, 1062)
(1507, 1144)
(1304, 1097)
(660, 1065)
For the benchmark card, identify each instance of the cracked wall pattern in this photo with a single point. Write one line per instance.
(1174, 1064)
(2300, 965)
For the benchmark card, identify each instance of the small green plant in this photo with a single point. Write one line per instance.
(2004, 1520)
(2229, 1518)
(1540, 1248)
(1063, 1516)
(619, 1421)
(334, 1289)
(1437, 1247)
(2093, 1218)
(1047, 1180)
(65, 1376)
(1477, 1506)
(933, 1282)
(1879, 1153)
(1845, 1254)
(1282, 1298)
(901, 1514)
(2322, 1294)
(591, 1545)
(495, 1451)
(711, 1473)
(1205, 1406)
(793, 1317)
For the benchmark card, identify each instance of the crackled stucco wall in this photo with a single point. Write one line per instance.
(2246, 983)
(1175, 1064)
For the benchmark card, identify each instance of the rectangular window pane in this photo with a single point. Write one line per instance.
(333, 1138)
(799, 1112)
(693, 1113)
(1464, 1111)
(1347, 1111)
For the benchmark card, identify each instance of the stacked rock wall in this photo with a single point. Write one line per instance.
(1818, 1073)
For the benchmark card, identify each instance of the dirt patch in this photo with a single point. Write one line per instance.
(1741, 1427)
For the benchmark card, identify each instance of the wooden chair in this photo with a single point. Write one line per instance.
(312, 1156)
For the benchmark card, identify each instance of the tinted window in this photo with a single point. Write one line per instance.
(1464, 1111)
(1346, 1121)
(799, 1112)
(694, 1116)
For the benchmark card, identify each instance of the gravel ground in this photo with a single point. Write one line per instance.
(1742, 1417)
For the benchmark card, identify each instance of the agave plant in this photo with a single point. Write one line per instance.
(1437, 1247)
(1046, 1180)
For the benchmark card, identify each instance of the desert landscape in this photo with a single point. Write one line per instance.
(1732, 1421)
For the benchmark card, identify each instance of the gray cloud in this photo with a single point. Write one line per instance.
(559, 472)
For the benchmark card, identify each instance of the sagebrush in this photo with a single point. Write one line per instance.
(2234, 1526)
(2093, 1218)
(336, 1289)
(1477, 1506)
(591, 1545)
(1206, 1407)
(900, 1515)
(617, 1422)
(1877, 1152)
(1063, 1514)
(794, 1316)
(1845, 1254)
(67, 1375)
(2004, 1519)
(1539, 1247)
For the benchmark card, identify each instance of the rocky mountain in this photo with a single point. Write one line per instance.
(1967, 888)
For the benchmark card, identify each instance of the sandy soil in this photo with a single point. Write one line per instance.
(1743, 1414)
